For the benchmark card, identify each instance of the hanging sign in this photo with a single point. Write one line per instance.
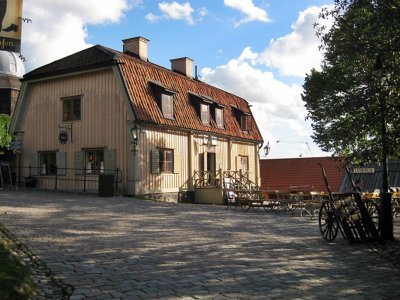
(63, 137)
(10, 25)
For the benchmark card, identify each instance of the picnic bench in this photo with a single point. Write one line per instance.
(305, 204)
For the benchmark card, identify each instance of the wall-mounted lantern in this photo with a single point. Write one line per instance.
(135, 137)
(266, 148)
(210, 141)
(65, 133)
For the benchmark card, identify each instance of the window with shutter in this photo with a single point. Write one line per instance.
(34, 164)
(79, 163)
(155, 161)
(166, 160)
(162, 161)
(109, 160)
(61, 160)
(177, 162)
(94, 161)
(47, 163)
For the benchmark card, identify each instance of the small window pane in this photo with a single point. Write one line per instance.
(48, 163)
(167, 106)
(244, 122)
(244, 163)
(205, 114)
(94, 161)
(219, 117)
(166, 160)
(71, 109)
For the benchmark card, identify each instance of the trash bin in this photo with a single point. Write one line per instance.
(30, 181)
(106, 185)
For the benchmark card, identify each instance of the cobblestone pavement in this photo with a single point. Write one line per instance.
(123, 248)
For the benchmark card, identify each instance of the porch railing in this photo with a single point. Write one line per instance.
(239, 179)
(65, 179)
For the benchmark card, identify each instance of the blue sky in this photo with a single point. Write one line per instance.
(257, 49)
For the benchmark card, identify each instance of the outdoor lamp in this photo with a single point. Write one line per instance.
(266, 149)
(135, 137)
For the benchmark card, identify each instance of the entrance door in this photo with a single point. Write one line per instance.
(211, 168)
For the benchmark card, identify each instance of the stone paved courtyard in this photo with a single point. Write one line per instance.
(124, 248)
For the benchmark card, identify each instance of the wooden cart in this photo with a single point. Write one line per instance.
(355, 218)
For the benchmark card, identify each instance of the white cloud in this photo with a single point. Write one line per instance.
(58, 26)
(152, 18)
(250, 11)
(176, 11)
(278, 100)
(296, 53)
(202, 12)
(276, 105)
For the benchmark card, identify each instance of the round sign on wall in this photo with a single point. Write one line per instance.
(63, 137)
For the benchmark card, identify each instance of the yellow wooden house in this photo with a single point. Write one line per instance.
(161, 133)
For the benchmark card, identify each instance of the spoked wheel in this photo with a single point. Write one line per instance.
(328, 224)
(245, 205)
(373, 211)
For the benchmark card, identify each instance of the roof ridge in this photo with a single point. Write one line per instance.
(71, 62)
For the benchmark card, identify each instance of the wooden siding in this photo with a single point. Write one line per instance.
(186, 144)
(249, 151)
(103, 121)
(152, 138)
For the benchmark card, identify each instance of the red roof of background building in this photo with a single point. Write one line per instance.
(301, 174)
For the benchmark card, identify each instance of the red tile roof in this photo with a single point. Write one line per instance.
(138, 74)
(301, 174)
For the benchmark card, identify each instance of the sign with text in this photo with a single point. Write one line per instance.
(10, 25)
(363, 170)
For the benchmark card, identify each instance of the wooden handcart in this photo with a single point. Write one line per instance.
(355, 218)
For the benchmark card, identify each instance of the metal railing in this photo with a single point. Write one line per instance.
(66, 179)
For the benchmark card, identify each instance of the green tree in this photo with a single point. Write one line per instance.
(358, 85)
(5, 137)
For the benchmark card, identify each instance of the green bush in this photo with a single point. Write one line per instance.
(15, 277)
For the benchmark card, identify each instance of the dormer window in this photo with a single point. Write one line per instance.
(205, 113)
(203, 105)
(219, 117)
(164, 97)
(243, 118)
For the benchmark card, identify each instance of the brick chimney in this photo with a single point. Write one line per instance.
(183, 66)
(136, 46)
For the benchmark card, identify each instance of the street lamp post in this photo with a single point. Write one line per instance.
(386, 219)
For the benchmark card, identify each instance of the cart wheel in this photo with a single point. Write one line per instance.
(373, 211)
(328, 224)
(245, 205)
